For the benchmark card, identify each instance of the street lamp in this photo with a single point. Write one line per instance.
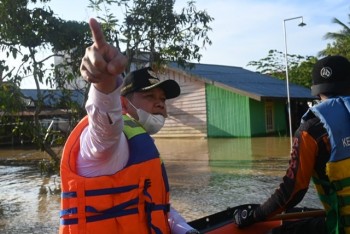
(301, 24)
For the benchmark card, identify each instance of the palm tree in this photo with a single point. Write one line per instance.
(341, 40)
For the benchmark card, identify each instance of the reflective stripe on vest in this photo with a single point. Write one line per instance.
(334, 113)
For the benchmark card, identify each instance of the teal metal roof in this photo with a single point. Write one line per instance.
(245, 82)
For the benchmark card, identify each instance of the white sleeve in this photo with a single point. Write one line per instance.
(103, 144)
(105, 122)
(178, 224)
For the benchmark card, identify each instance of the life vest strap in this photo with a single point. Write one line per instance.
(116, 211)
(69, 211)
(331, 192)
(150, 206)
(100, 217)
(147, 184)
(345, 220)
(344, 200)
(340, 184)
(333, 186)
(91, 209)
(318, 181)
(99, 192)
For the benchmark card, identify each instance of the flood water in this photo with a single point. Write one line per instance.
(205, 175)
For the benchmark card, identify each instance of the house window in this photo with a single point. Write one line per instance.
(269, 120)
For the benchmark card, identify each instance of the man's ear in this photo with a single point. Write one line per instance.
(124, 103)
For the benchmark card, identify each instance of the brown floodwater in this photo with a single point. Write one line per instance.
(205, 175)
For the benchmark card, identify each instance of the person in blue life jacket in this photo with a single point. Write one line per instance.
(110, 161)
(321, 152)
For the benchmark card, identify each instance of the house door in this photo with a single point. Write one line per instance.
(269, 117)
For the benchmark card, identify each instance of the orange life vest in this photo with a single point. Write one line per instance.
(133, 200)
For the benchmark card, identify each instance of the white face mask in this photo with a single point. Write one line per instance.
(151, 123)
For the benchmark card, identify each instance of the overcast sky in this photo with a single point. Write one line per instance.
(245, 30)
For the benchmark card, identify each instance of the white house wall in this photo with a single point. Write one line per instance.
(187, 115)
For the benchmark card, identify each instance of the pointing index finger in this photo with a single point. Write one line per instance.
(97, 33)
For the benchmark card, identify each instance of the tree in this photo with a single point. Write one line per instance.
(149, 27)
(299, 67)
(24, 33)
(341, 41)
(301, 73)
(10, 105)
(152, 32)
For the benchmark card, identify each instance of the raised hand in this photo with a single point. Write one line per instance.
(102, 62)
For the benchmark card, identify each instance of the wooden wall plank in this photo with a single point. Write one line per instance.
(187, 114)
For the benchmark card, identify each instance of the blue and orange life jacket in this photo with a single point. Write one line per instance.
(334, 113)
(133, 200)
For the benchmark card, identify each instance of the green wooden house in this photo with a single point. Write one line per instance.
(227, 101)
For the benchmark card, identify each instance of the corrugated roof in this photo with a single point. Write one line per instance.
(236, 79)
(245, 82)
(54, 95)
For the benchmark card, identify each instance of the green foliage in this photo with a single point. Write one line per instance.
(48, 168)
(152, 32)
(299, 67)
(11, 104)
(149, 27)
(24, 33)
(341, 41)
(301, 73)
(272, 65)
(10, 99)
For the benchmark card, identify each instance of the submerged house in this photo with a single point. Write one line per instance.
(53, 117)
(215, 101)
(227, 101)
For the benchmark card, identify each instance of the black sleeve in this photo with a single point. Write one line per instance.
(293, 189)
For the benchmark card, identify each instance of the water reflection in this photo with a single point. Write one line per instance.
(206, 176)
(24, 207)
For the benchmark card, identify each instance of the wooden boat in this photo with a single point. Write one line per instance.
(222, 222)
